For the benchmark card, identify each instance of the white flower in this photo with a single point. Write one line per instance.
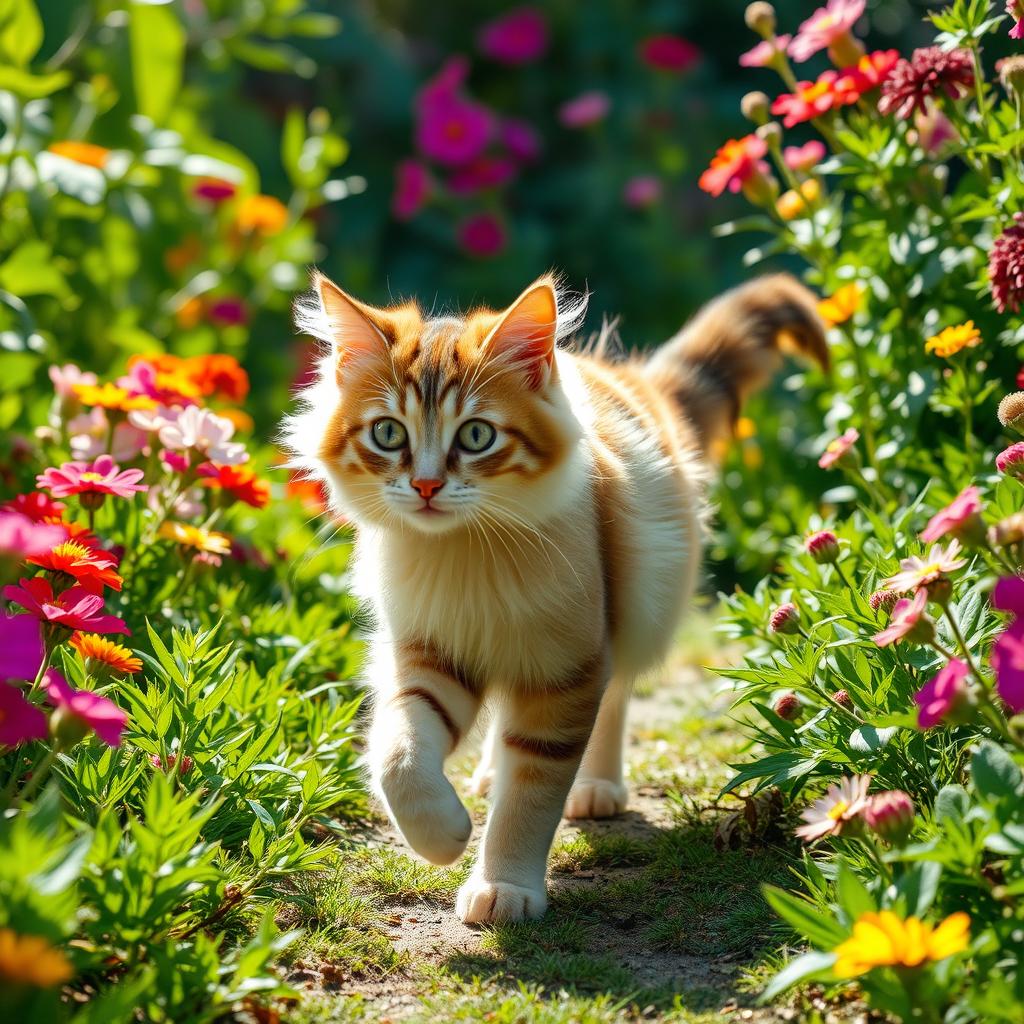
(206, 432)
(841, 804)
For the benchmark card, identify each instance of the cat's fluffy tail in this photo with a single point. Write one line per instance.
(732, 347)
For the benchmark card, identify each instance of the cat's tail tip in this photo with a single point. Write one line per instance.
(732, 347)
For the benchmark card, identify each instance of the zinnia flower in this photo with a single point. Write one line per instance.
(239, 481)
(20, 721)
(102, 651)
(586, 109)
(811, 100)
(1011, 460)
(1015, 9)
(93, 569)
(841, 805)
(669, 53)
(958, 517)
(452, 129)
(21, 538)
(261, 215)
(918, 572)
(37, 506)
(884, 940)
(734, 165)
(110, 396)
(866, 75)
(206, 432)
(518, 37)
(412, 186)
(65, 378)
(952, 340)
(1006, 267)
(101, 477)
(482, 235)
(82, 711)
(828, 28)
(931, 71)
(21, 646)
(766, 53)
(31, 960)
(805, 157)
(943, 695)
(196, 537)
(75, 608)
(906, 620)
(838, 448)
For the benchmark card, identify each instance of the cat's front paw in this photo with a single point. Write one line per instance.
(481, 902)
(428, 813)
(596, 798)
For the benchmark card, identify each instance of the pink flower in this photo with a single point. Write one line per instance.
(883, 600)
(482, 235)
(1015, 9)
(20, 721)
(1006, 267)
(452, 129)
(934, 130)
(1007, 661)
(669, 53)
(840, 806)
(785, 619)
(485, 172)
(956, 518)
(229, 311)
(736, 164)
(518, 37)
(103, 476)
(412, 187)
(906, 616)
(89, 711)
(214, 190)
(838, 448)
(65, 378)
(641, 191)
(943, 695)
(891, 815)
(803, 158)
(177, 462)
(20, 538)
(74, 608)
(207, 433)
(21, 647)
(827, 26)
(916, 572)
(766, 53)
(520, 138)
(1011, 460)
(443, 85)
(586, 109)
(823, 547)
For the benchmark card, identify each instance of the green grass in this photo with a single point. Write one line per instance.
(393, 875)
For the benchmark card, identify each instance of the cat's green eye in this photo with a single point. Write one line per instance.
(389, 434)
(476, 436)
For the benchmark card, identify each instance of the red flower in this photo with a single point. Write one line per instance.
(229, 311)
(734, 165)
(811, 99)
(931, 71)
(75, 608)
(482, 235)
(94, 570)
(214, 190)
(867, 74)
(1006, 267)
(518, 37)
(239, 481)
(103, 476)
(669, 53)
(37, 506)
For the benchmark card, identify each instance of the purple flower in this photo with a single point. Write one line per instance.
(482, 235)
(21, 647)
(412, 187)
(520, 138)
(641, 191)
(19, 720)
(229, 311)
(518, 37)
(485, 172)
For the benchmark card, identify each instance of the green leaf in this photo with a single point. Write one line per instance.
(30, 270)
(806, 966)
(919, 885)
(951, 804)
(995, 773)
(157, 42)
(854, 897)
(21, 31)
(27, 86)
(804, 917)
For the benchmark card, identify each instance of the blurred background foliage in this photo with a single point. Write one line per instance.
(308, 112)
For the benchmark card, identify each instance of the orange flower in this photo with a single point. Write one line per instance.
(196, 537)
(31, 960)
(793, 204)
(94, 570)
(220, 374)
(189, 313)
(242, 420)
(263, 215)
(178, 257)
(240, 481)
(92, 647)
(110, 396)
(842, 304)
(310, 492)
(735, 164)
(81, 152)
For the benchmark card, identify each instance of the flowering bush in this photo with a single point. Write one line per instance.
(885, 669)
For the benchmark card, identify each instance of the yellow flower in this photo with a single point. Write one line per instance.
(745, 428)
(196, 537)
(110, 396)
(31, 960)
(884, 940)
(954, 339)
(793, 204)
(840, 306)
(87, 153)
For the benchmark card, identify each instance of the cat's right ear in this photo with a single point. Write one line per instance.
(353, 332)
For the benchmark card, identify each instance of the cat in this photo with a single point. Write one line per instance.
(528, 533)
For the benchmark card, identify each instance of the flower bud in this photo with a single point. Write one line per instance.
(760, 189)
(91, 500)
(1011, 74)
(842, 698)
(1011, 460)
(823, 547)
(1007, 531)
(788, 707)
(891, 815)
(785, 619)
(67, 728)
(760, 18)
(754, 107)
(1011, 411)
(770, 132)
(883, 600)
(940, 591)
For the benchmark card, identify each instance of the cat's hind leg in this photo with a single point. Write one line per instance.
(599, 791)
(483, 777)
(423, 706)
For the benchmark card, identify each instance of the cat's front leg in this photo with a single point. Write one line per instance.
(541, 737)
(423, 706)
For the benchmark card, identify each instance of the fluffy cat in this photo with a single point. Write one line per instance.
(528, 534)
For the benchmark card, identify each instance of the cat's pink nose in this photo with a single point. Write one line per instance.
(427, 488)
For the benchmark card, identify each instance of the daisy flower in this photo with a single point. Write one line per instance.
(918, 572)
(884, 940)
(75, 608)
(196, 537)
(906, 618)
(206, 432)
(98, 479)
(93, 569)
(838, 807)
(98, 649)
(954, 339)
(838, 448)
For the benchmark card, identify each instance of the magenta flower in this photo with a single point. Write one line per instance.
(482, 235)
(669, 53)
(176, 462)
(21, 647)
(103, 476)
(21, 538)
(65, 378)
(891, 815)
(586, 109)
(931, 71)
(485, 172)
(20, 721)
(74, 608)
(804, 158)
(1011, 460)
(905, 619)
(943, 695)
(445, 84)
(229, 311)
(823, 547)
(838, 448)
(958, 517)
(521, 140)
(934, 130)
(89, 711)
(1007, 658)
(518, 37)
(1006, 267)
(412, 187)
(641, 191)
(785, 619)
(452, 129)
(214, 190)
(1015, 9)
(825, 28)
(766, 53)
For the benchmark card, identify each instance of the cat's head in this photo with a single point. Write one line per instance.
(438, 423)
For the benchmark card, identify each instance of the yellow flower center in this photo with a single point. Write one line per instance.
(90, 477)
(838, 810)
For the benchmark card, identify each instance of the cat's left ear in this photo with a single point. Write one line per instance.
(527, 331)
